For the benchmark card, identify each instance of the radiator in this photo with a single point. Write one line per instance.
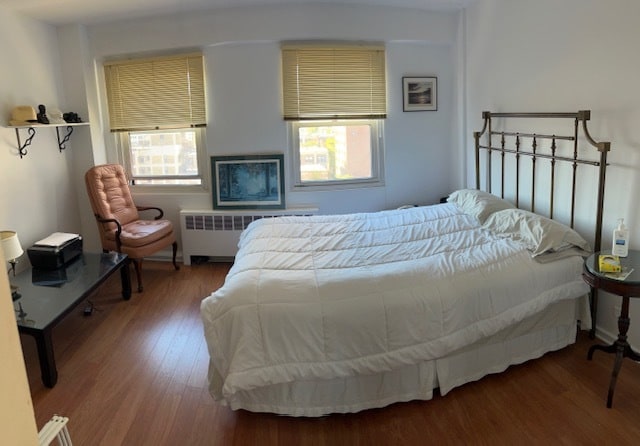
(215, 234)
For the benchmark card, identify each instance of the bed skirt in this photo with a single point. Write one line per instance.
(550, 330)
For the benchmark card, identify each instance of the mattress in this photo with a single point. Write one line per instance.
(350, 300)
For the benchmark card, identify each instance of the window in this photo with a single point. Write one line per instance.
(163, 157)
(157, 107)
(335, 99)
(336, 153)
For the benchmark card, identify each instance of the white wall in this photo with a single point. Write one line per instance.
(37, 195)
(82, 97)
(241, 48)
(566, 56)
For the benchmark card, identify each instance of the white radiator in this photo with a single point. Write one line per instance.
(215, 234)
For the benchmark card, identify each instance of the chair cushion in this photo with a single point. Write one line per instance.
(110, 195)
(142, 232)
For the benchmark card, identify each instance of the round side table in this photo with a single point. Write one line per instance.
(627, 289)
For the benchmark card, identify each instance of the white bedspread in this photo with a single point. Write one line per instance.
(333, 296)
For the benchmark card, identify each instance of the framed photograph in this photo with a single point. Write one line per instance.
(248, 182)
(419, 93)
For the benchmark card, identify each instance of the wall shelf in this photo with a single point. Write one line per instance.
(31, 132)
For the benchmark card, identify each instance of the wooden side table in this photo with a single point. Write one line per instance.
(627, 289)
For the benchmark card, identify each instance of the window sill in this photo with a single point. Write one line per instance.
(338, 186)
(139, 189)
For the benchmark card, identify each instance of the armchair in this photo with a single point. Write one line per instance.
(119, 224)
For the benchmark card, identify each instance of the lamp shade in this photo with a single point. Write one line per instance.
(11, 245)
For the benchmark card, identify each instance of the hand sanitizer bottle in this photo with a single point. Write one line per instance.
(620, 245)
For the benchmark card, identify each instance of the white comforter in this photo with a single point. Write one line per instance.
(332, 296)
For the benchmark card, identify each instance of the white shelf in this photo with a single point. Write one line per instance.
(31, 130)
(38, 125)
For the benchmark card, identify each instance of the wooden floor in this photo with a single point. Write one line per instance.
(134, 373)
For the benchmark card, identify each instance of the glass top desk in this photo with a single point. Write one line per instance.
(47, 296)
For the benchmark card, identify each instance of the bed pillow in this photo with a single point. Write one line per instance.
(539, 234)
(477, 203)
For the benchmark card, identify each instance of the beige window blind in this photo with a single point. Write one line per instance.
(156, 93)
(333, 82)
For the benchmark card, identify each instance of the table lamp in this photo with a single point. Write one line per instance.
(12, 250)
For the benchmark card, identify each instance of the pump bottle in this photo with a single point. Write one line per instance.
(620, 245)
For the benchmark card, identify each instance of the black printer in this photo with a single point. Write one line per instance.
(55, 251)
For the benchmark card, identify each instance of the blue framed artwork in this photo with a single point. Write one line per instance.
(248, 181)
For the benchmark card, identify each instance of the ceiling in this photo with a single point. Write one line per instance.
(64, 12)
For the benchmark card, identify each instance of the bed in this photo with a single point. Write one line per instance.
(340, 313)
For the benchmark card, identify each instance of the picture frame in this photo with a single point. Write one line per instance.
(419, 94)
(248, 181)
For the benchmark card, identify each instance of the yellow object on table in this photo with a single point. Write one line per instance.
(609, 263)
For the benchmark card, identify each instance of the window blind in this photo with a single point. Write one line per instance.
(156, 93)
(333, 82)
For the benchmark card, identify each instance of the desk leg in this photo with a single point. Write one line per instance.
(47, 360)
(125, 279)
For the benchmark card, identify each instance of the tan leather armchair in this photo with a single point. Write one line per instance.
(119, 224)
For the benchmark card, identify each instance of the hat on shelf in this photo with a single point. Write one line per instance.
(23, 115)
(55, 116)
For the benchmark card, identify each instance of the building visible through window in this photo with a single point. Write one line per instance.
(157, 107)
(170, 154)
(335, 152)
(334, 97)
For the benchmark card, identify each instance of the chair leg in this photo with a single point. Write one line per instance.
(175, 251)
(137, 263)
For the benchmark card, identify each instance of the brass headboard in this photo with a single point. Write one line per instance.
(535, 146)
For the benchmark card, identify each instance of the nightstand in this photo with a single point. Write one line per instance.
(627, 289)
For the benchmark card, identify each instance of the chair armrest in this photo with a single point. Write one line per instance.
(153, 208)
(118, 228)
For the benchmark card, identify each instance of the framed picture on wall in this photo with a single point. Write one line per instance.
(419, 93)
(248, 181)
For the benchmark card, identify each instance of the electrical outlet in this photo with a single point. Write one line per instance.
(616, 310)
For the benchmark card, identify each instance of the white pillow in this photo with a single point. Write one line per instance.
(478, 203)
(539, 234)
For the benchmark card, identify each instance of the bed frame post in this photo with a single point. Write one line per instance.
(476, 136)
(486, 116)
(603, 147)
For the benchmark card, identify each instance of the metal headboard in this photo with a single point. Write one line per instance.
(512, 143)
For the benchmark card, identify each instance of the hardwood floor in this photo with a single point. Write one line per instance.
(134, 373)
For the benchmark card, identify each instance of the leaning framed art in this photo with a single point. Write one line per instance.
(419, 93)
(248, 181)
